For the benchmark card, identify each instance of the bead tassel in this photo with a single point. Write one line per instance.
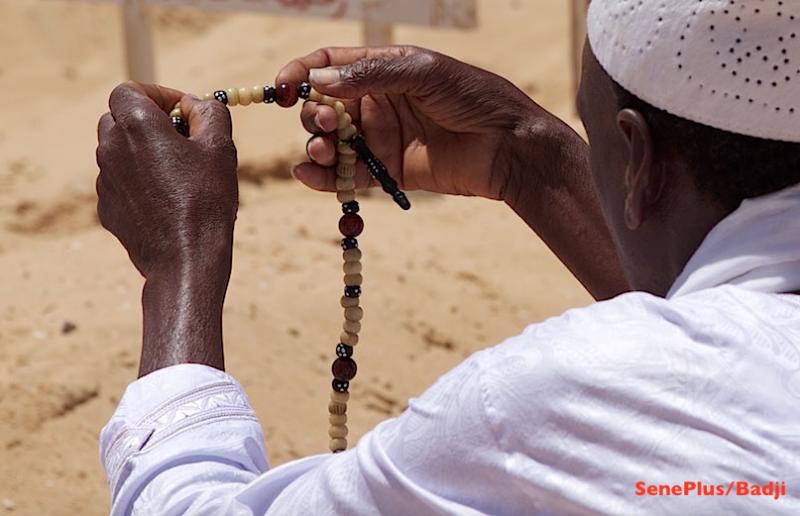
(349, 147)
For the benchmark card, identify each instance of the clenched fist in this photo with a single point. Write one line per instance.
(168, 199)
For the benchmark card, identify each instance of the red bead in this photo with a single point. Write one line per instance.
(344, 369)
(286, 95)
(351, 225)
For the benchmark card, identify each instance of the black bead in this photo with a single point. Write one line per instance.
(180, 125)
(344, 351)
(350, 207)
(222, 96)
(352, 291)
(304, 90)
(349, 243)
(340, 385)
(269, 94)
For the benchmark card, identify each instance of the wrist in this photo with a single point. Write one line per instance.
(544, 154)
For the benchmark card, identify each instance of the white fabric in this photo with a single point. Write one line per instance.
(730, 65)
(565, 418)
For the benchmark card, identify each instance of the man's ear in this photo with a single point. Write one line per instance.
(644, 183)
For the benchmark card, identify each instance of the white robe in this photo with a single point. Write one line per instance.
(578, 414)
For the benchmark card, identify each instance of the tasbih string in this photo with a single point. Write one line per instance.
(350, 146)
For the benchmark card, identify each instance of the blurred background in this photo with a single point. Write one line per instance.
(450, 277)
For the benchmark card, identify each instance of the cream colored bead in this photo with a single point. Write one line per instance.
(344, 148)
(340, 397)
(257, 94)
(338, 105)
(346, 170)
(335, 407)
(347, 133)
(328, 101)
(352, 280)
(338, 419)
(344, 120)
(351, 267)
(338, 445)
(346, 196)
(233, 96)
(345, 184)
(245, 96)
(352, 255)
(349, 302)
(337, 431)
(351, 339)
(208, 96)
(315, 96)
(351, 326)
(347, 159)
(354, 313)
(176, 112)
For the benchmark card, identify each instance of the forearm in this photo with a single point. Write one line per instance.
(551, 188)
(182, 308)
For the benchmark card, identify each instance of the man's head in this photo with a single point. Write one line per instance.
(665, 180)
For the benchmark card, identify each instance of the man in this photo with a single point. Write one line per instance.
(680, 396)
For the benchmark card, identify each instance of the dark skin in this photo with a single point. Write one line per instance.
(440, 125)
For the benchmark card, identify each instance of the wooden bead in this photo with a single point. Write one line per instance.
(338, 105)
(257, 94)
(338, 445)
(346, 170)
(351, 224)
(347, 159)
(315, 96)
(351, 326)
(337, 419)
(351, 267)
(345, 184)
(337, 408)
(176, 112)
(353, 279)
(346, 196)
(344, 148)
(337, 431)
(328, 101)
(245, 97)
(347, 133)
(351, 339)
(354, 313)
(340, 397)
(352, 255)
(233, 96)
(208, 96)
(344, 120)
(349, 302)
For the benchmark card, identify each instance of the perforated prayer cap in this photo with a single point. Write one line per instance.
(730, 64)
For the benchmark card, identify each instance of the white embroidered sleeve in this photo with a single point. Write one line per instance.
(184, 439)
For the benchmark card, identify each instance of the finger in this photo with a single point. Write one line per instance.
(132, 100)
(318, 118)
(324, 178)
(104, 126)
(207, 119)
(298, 70)
(321, 150)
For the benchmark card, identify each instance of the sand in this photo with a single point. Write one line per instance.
(451, 277)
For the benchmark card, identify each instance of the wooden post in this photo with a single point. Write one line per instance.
(578, 36)
(138, 42)
(375, 34)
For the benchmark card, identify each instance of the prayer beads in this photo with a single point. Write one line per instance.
(350, 147)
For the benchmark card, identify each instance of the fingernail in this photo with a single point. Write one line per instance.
(324, 76)
(192, 95)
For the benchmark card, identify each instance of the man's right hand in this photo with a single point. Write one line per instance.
(438, 124)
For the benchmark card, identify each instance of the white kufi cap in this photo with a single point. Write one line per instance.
(730, 64)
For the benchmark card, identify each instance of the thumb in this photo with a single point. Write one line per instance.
(391, 74)
(207, 119)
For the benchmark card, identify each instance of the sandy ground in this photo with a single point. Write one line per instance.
(452, 276)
